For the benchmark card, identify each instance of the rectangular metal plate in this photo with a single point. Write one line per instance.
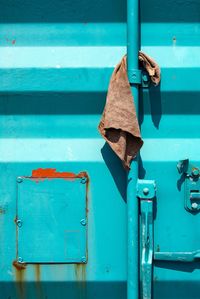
(52, 214)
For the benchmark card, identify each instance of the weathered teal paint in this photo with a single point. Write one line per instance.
(56, 58)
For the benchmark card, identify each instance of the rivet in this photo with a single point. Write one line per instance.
(19, 223)
(83, 180)
(83, 259)
(195, 172)
(20, 259)
(145, 78)
(146, 191)
(83, 222)
(194, 205)
(19, 179)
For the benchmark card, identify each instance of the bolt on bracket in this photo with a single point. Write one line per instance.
(146, 192)
(139, 77)
(191, 177)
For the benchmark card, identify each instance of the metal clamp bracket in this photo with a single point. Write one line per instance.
(191, 176)
(146, 192)
(136, 76)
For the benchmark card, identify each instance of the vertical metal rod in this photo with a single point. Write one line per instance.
(132, 201)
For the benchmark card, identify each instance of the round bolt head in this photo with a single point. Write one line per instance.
(83, 259)
(194, 205)
(20, 259)
(146, 191)
(195, 172)
(19, 180)
(145, 78)
(83, 180)
(19, 223)
(83, 222)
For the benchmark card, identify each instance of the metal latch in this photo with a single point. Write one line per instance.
(146, 192)
(186, 257)
(191, 176)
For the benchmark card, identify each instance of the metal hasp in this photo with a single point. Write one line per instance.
(191, 176)
(146, 191)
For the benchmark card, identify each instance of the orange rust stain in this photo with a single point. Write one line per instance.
(19, 266)
(80, 274)
(38, 285)
(42, 173)
(20, 276)
(37, 272)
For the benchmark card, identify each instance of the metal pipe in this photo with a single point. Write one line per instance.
(133, 36)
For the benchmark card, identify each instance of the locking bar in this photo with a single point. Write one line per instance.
(146, 191)
(186, 257)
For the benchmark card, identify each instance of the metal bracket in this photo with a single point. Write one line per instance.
(139, 77)
(146, 192)
(191, 176)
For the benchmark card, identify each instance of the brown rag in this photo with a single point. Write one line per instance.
(119, 125)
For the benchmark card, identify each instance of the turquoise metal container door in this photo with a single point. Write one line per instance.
(63, 209)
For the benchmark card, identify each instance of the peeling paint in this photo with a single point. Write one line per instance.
(49, 173)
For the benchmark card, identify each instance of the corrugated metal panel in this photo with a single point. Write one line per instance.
(55, 62)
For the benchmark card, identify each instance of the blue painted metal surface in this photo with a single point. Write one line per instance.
(56, 58)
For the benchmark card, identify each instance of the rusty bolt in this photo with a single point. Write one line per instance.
(146, 191)
(19, 180)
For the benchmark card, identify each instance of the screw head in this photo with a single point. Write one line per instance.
(146, 191)
(194, 205)
(145, 78)
(19, 180)
(195, 172)
(83, 222)
(19, 223)
(20, 259)
(83, 180)
(83, 259)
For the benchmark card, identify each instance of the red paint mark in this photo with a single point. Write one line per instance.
(11, 41)
(42, 173)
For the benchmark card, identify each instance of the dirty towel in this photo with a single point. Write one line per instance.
(119, 125)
